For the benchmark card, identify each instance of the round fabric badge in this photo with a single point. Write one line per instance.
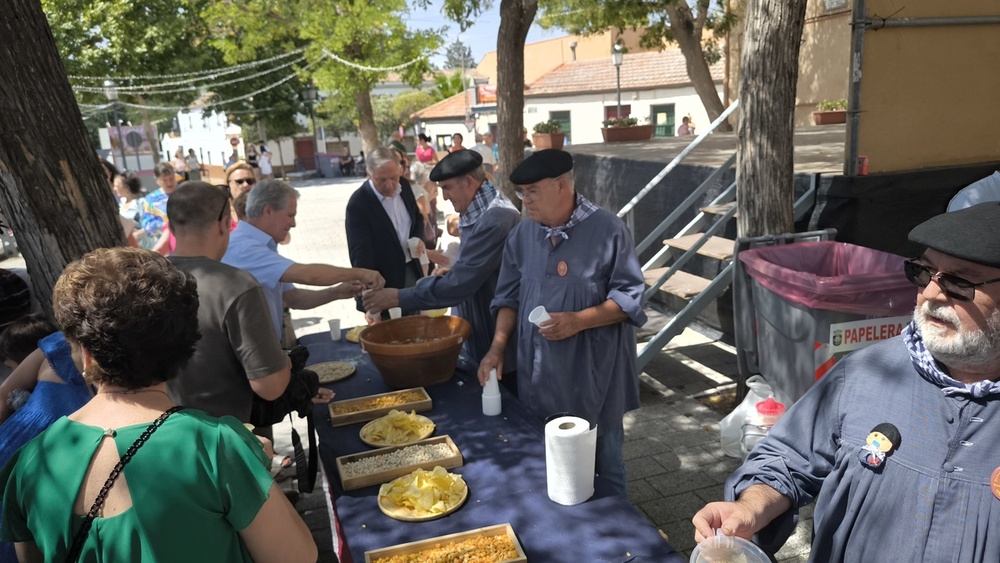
(562, 269)
(995, 483)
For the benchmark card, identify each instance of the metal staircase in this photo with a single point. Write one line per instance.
(663, 272)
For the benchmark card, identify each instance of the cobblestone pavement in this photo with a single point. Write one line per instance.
(672, 453)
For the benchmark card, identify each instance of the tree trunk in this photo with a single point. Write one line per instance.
(366, 120)
(52, 188)
(768, 76)
(515, 19)
(688, 37)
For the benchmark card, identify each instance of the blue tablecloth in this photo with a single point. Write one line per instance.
(504, 468)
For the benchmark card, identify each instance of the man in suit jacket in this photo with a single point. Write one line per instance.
(382, 215)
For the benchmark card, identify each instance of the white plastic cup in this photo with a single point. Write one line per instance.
(538, 315)
(395, 312)
(414, 243)
(335, 329)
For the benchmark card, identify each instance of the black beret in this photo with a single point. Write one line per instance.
(549, 163)
(458, 163)
(970, 234)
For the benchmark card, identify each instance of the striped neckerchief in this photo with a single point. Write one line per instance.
(927, 366)
(584, 208)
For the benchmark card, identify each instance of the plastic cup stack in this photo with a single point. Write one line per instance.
(491, 395)
(538, 315)
(395, 312)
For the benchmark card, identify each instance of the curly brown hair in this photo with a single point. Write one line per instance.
(132, 311)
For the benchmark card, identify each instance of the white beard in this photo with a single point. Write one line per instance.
(965, 349)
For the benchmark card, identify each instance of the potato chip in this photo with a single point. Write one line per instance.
(424, 493)
(397, 428)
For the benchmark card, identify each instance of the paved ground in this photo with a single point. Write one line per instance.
(672, 452)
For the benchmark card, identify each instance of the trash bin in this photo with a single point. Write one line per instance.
(325, 165)
(814, 302)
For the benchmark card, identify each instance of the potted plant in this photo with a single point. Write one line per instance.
(548, 135)
(618, 129)
(830, 112)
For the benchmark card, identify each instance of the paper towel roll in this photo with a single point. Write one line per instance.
(570, 447)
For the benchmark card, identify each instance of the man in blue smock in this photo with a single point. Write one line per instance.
(487, 217)
(898, 443)
(579, 262)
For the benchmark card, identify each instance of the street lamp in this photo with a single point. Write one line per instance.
(310, 95)
(111, 91)
(616, 58)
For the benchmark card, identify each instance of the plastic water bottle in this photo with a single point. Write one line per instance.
(758, 424)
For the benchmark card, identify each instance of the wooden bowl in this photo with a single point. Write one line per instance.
(416, 351)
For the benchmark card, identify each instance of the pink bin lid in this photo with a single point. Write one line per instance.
(770, 407)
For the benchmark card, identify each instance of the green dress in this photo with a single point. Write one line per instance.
(195, 484)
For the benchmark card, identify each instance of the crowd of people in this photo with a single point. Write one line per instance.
(166, 349)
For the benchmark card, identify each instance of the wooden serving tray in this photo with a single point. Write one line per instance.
(361, 481)
(418, 546)
(364, 416)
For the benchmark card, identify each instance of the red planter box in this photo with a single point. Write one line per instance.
(621, 134)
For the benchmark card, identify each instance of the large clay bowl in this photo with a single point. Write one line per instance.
(416, 351)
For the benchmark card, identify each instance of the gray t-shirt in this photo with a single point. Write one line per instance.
(238, 342)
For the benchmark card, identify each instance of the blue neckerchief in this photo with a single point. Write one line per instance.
(927, 366)
(480, 203)
(584, 208)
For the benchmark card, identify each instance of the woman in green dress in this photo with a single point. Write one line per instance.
(129, 476)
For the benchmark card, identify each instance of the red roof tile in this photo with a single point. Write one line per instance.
(448, 107)
(640, 71)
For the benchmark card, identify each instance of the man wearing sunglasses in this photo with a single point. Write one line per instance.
(935, 494)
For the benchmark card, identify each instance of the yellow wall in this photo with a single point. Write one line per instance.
(929, 94)
(544, 56)
(824, 59)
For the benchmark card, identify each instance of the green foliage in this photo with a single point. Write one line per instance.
(459, 55)
(587, 17)
(621, 122)
(447, 85)
(550, 126)
(406, 104)
(367, 34)
(465, 12)
(832, 105)
(117, 38)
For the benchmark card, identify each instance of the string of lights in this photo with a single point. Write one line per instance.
(218, 103)
(164, 88)
(372, 68)
(201, 73)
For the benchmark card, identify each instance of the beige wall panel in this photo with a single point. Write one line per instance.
(929, 95)
(824, 62)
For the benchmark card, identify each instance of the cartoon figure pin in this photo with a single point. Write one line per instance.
(881, 442)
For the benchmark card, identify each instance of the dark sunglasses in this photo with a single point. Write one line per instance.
(225, 205)
(952, 285)
(247, 181)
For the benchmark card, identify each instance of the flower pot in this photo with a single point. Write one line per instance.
(548, 140)
(830, 117)
(620, 134)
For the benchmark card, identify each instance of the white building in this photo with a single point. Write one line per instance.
(655, 88)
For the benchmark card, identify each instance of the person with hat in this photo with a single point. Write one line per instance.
(936, 494)
(579, 262)
(486, 218)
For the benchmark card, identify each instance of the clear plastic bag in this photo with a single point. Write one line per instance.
(731, 428)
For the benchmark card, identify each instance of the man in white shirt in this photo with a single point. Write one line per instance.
(382, 216)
